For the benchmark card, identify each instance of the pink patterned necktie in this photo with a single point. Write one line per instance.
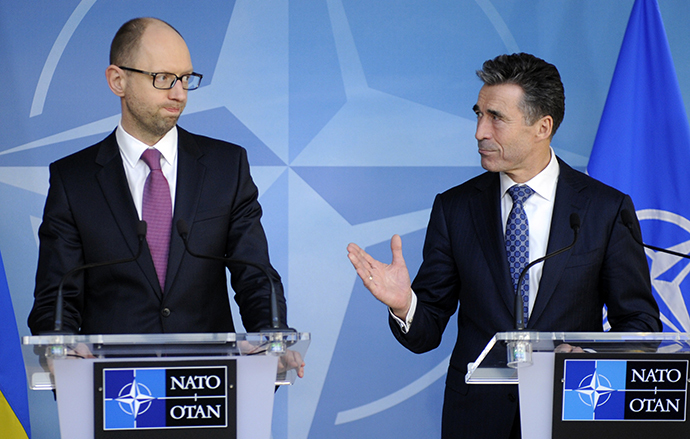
(157, 212)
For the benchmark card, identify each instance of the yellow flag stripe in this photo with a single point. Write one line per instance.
(10, 426)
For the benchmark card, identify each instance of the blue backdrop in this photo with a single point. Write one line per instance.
(355, 114)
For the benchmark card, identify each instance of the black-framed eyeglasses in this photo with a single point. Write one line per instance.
(166, 81)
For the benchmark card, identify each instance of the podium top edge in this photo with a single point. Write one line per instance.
(159, 339)
(592, 336)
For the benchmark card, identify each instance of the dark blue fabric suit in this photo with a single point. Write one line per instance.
(90, 217)
(465, 263)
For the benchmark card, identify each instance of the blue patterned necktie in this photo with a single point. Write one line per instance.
(517, 242)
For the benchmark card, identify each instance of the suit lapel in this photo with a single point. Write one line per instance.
(486, 214)
(569, 199)
(190, 177)
(113, 184)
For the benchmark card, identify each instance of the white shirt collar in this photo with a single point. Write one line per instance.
(132, 148)
(543, 184)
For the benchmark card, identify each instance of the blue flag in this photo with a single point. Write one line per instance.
(642, 148)
(14, 403)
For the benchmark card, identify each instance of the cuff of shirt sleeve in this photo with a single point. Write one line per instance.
(407, 323)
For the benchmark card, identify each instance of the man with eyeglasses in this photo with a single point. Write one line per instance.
(150, 169)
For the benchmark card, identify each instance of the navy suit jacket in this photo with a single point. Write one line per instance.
(90, 217)
(465, 264)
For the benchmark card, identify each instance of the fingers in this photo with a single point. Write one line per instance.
(356, 256)
(364, 264)
(396, 249)
(396, 243)
(83, 351)
(360, 257)
(390, 284)
(291, 360)
(565, 348)
(363, 260)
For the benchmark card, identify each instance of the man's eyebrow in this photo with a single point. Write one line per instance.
(495, 113)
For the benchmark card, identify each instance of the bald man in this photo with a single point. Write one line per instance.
(98, 196)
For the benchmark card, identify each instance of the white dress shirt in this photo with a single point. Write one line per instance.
(539, 210)
(137, 170)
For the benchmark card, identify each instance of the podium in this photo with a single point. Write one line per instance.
(610, 385)
(164, 385)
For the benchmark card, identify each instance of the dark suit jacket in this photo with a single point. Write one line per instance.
(90, 217)
(465, 263)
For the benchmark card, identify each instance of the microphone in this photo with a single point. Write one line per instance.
(59, 306)
(627, 219)
(518, 307)
(276, 324)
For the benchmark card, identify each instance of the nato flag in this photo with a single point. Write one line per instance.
(642, 148)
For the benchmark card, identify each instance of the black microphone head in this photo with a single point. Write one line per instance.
(574, 221)
(141, 229)
(627, 218)
(182, 228)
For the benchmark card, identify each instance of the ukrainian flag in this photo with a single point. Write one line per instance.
(14, 403)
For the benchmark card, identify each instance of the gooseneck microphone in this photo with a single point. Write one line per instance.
(276, 324)
(59, 300)
(627, 219)
(518, 307)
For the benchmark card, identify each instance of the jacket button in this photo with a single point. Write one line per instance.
(165, 312)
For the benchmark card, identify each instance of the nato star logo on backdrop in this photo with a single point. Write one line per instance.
(303, 154)
(340, 152)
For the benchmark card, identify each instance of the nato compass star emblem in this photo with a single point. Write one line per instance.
(135, 398)
(668, 273)
(594, 390)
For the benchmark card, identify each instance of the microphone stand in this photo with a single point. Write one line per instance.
(626, 216)
(276, 324)
(59, 299)
(520, 351)
(518, 306)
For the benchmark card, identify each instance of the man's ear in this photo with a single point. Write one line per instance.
(116, 80)
(544, 127)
